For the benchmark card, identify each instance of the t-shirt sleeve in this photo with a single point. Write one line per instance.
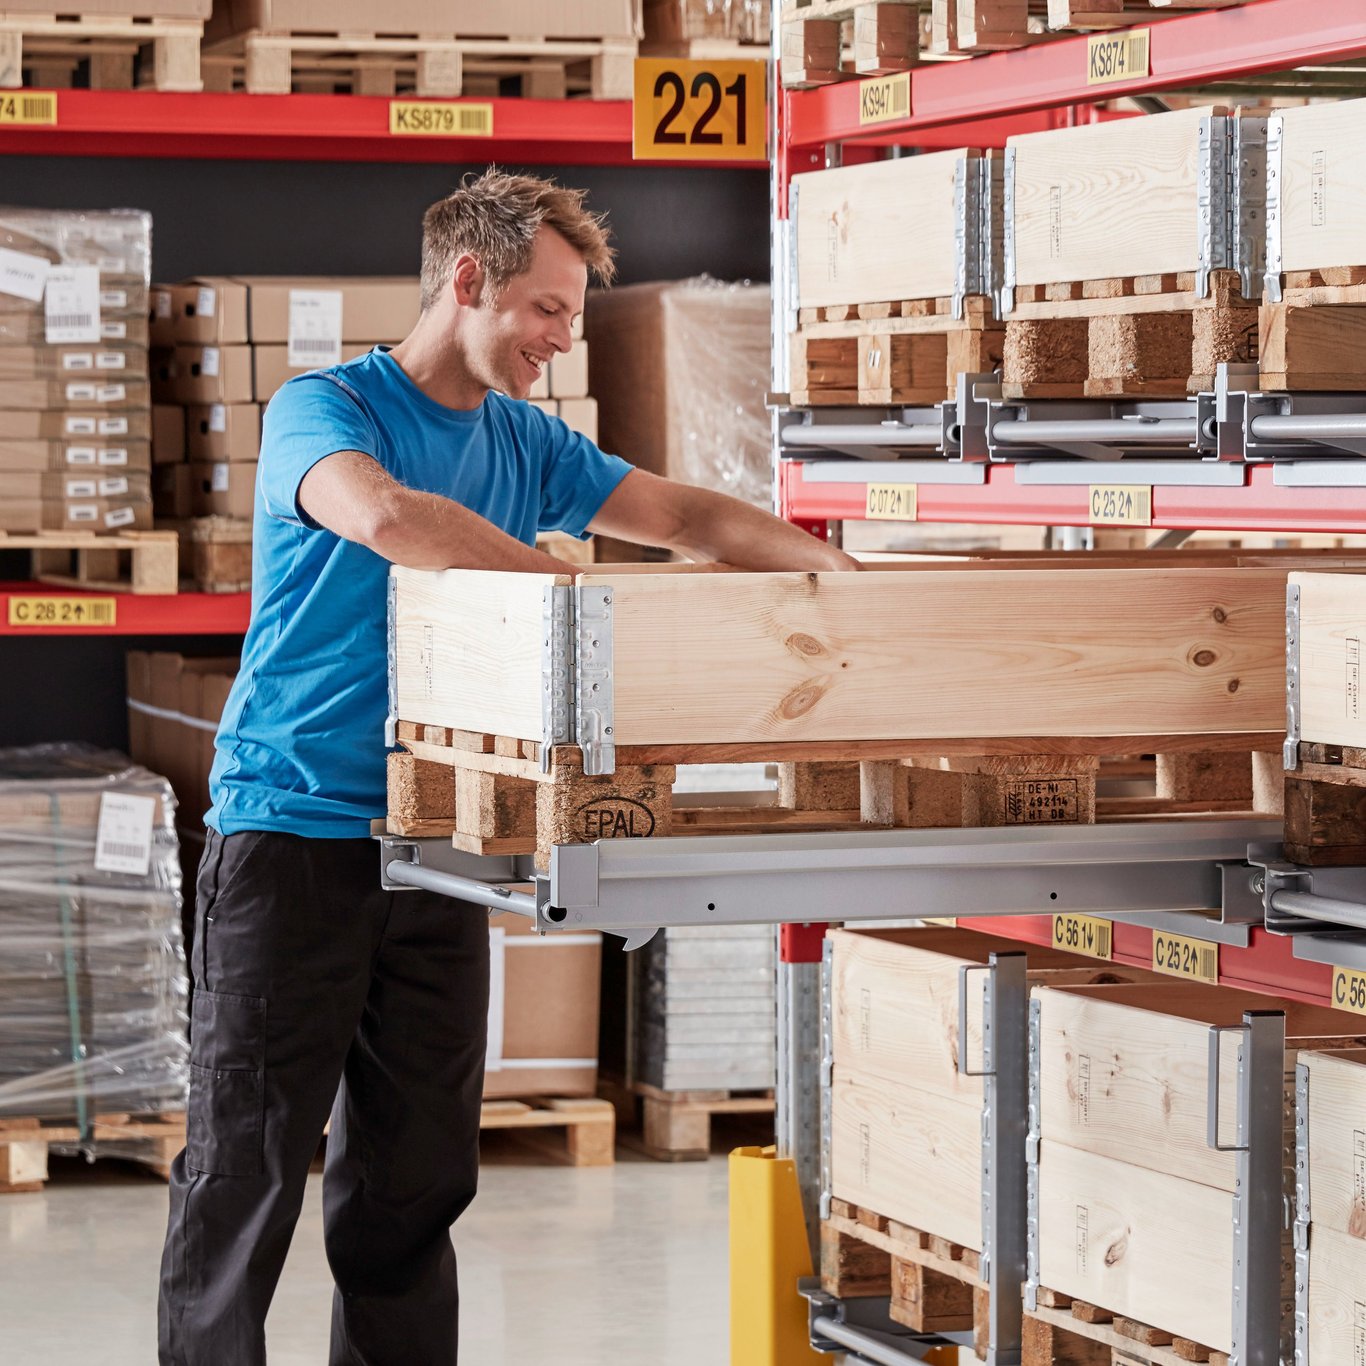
(576, 477)
(309, 419)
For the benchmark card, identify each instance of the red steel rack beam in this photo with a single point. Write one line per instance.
(138, 614)
(1193, 49)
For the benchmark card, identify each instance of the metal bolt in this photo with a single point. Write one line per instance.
(1259, 884)
(607, 730)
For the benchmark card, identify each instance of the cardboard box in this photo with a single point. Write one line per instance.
(273, 370)
(83, 395)
(224, 489)
(93, 427)
(203, 374)
(168, 433)
(38, 455)
(327, 16)
(209, 311)
(58, 486)
(161, 315)
(223, 431)
(582, 415)
(20, 516)
(543, 1011)
(670, 23)
(568, 372)
(373, 308)
(29, 327)
(173, 491)
(114, 360)
(541, 388)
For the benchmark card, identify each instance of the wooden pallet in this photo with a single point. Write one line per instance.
(120, 562)
(1312, 338)
(879, 38)
(676, 1125)
(906, 351)
(436, 65)
(1325, 807)
(216, 554)
(1067, 1332)
(152, 1140)
(589, 1125)
(52, 46)
(1147, 336)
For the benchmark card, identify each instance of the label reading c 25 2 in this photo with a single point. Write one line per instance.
(1121, 505)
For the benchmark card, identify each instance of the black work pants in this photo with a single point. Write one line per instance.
(316, 991)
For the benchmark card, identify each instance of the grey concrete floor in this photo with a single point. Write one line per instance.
(574, 1266)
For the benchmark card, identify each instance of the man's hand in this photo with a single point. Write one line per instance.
(704, 525)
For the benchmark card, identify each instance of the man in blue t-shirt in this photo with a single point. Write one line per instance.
(315, 991)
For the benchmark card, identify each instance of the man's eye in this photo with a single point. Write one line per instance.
(549, 312)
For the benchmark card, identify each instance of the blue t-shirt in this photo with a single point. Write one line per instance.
(301, 744)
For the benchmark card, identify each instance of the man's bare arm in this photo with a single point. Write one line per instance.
(710, 526)
(351, 495)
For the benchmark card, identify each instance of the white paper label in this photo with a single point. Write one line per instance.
(23, 275)
(120, 517)
(82, 512)
(208, 361)
(113, 265)
(80, 393)
(112, 393)
(71, 305)
(111, 360)
(315, 327)
(218, 480)
(206, 304)
(113, 486)
(80, 488)
(114, 331)
(218, 418)
(123, 838)
(162, 300)
(114, 455)
(78, 360)
(80, 426)
(113, 426)
(81, 455)
(118, 298)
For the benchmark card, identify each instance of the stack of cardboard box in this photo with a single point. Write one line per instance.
(562, 389)
(74, 406)
(222, 346)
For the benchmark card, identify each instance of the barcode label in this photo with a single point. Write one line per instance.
(81, 455)
(111, 360)
(1177, 955)
(218, 479)
(113, 426)
(23, 275)
(113, 298)
(82, 512)
(432, 119)
(218, 418)
(71, 305)
(25, 108)
(884, 98)
(120, 517)
(1114, 57)
(80, 426)
(113, 331)
(112, 393)
(161, 302)
(206, 303)
(123, 838)
(113, 486)
(114, 455)
(80, 393)
(80, 488)
(78, 360)
(208, 361)
(315, 327)
(315, 345)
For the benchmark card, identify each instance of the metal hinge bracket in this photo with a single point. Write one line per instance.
(1291, 754)
(593, 717)
(557, 670)
(391, 649)
(1275, 187)
(1005, 294)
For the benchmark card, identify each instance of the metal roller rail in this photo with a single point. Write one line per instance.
(492, 895)
(1309, 426)
(886, 434)
(1118, 431)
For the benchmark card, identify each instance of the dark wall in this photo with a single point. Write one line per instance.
(333, 218)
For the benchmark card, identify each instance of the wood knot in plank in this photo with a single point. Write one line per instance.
(1202, 659)
(803, 698)
(800, 643)
(1114, 1254)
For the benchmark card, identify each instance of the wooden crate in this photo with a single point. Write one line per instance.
(1135, 1210)
(1331, 1315)
(1325, 792)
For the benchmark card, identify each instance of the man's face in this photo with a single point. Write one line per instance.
(511, 340)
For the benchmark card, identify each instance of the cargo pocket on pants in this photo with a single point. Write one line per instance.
(227, 1085)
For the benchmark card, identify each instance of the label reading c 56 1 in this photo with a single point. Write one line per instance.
(1083, 934)
(440, 118)
(1349, 990)
(1121, 505)
(892, 503)
(1179, 956)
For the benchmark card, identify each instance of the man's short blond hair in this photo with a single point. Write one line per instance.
(495, 217)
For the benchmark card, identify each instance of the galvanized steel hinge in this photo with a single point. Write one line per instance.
(1214, 201)
(557, 670)
(1005, 297)
(1248, 208)
(1275, 143)
(1032, 1149)
(593, 717)
(1302, 1215)
(793, 299)
(391, 649)
(827, 1075)
(1291, 755)
(967, 232)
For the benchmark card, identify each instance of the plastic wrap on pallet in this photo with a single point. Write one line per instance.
(680, 370)
(93, 984)
(739, 21)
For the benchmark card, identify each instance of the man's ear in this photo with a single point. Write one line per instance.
(467, 280)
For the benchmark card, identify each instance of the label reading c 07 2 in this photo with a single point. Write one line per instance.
(60, 614)
(1179, 956)
(1084, 934)
(1112, 57)
(443, 119)
(1349, 990)
(892, 503)
(1121, 505)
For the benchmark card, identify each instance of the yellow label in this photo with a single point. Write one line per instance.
(1083, 934)
(1121, 505)
(881, 99)
(1349, 990)
(1179, 956)
(28, 107)
(892, 503)
(440, 118)
(699, 111)
(1112, 57)
(63, 613)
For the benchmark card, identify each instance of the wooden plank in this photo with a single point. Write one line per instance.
(853, 223)
(1337, 1296)
(852, 1268)
(1124, 1072)
(1323, 185)
(929, 1301)
(469, 649)
(1144, 1244)
(1337, 1142)
(912, 1155)
(1108, 199)
(1315, 347)
(798, 657)
(1332, 628)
